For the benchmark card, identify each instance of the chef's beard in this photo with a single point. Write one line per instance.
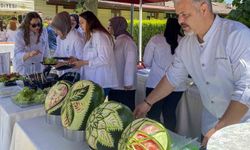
(190, 33)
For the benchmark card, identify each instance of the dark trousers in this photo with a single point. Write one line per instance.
(166, 106)
(126, 97)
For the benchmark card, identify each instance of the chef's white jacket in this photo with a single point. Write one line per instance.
(99, 51)
(220, 67)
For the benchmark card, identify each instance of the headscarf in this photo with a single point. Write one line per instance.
(62, 22)
(76, 17)
(119, 26)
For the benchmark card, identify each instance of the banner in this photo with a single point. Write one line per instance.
(16, 5)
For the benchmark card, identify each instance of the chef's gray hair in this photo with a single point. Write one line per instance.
(208, 2)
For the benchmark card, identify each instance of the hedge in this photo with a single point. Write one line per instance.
(149, 29)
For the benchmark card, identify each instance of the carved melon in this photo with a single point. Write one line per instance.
(83, 98)
(145, 134)
(56, 96)
(105, 125)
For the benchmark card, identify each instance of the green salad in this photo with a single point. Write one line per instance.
(31, 96)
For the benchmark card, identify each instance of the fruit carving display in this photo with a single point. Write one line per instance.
(145, 134)
(83, 98)
(105, 125)
(56, 97)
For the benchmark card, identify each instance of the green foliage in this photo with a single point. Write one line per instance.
(242, 12)
(149, 29)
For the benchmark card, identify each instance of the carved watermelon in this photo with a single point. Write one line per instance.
(56, 96)
(83, 98)
(145, 134)
(105, 125)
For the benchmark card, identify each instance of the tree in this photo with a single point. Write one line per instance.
(87, 5)
(242, 12)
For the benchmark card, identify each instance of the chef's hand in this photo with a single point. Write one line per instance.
(34, 53)
(31, 54)
(141, 110)
(207, 136)
(72, 59)
(78, 64)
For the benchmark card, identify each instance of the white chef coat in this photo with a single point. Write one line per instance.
(33, 64)
(72, 45)
(220, 67)
(99, 52)
(126, 56)
(158, 57)
(10, 34)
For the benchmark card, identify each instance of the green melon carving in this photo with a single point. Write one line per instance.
(105, 125)
(82, 99)
(145, 134)
(56, 96)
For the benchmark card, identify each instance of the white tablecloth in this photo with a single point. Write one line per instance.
(6, 55)
(11, 113)
(189, 112)
(234, 137)
(7, 48)
(36, 134)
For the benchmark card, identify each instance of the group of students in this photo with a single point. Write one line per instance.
(106, 56)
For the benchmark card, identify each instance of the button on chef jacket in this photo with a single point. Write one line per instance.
(31, 65)
(220, 67)
(100, 54)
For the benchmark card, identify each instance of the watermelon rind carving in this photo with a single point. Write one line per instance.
(105, 125)
(56, 97)
(145, 134)
(83, 98)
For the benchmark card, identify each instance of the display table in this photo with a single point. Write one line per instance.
(6, 55)
(36, 134)
(7, 47)
(189, 112)
(234, 137)
(11, 113)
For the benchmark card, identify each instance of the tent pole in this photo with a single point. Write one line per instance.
(140, 31)
(132, 19)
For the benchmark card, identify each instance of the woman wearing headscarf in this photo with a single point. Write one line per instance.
(158, 55)
(69, 43)
(31, 45)
(97, 60)
(75, 24)
(125, 51)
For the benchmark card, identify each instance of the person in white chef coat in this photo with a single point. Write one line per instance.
(97, 60)
(216, 54)
(126, 57)
(31, 45)
(69, 43)
(158, 56)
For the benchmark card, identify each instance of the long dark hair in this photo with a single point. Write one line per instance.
(76, 17)
(171, 33)
(26, 26)
(93, 23)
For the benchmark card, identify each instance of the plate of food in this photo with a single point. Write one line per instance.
(30, 97)
(64, 67)
(10, 79)
(49, 61)
(62, 58)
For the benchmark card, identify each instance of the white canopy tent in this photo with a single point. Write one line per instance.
(8, 7)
